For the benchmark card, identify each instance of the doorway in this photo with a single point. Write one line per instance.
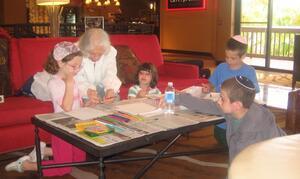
(270, 27)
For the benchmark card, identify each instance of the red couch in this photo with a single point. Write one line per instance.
(27, 56)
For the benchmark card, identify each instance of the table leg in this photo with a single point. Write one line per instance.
(144, 170)
(38, 152)
(101, 165)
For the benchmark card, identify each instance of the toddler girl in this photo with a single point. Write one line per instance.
(146, 80)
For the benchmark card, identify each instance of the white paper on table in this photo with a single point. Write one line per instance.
(86, 113)
(137, 108)
(196, 91)
(51, 116)
(169, 121)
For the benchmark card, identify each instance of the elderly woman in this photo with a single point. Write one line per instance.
(98, 79)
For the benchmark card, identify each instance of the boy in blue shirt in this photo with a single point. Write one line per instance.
(236, 49)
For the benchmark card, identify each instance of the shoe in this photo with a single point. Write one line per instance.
(17, 165)
(32, 154)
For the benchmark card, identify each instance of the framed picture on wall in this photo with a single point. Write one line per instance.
(93, 22)
(175, 5)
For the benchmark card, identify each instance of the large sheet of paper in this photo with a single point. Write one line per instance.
(87, 113)
(138, 108)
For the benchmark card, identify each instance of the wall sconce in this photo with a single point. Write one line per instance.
(152, 6)
(54, 8)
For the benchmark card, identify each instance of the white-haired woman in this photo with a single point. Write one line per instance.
(98, 79)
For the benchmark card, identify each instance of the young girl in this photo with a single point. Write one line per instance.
(64, 63)
(146, 80)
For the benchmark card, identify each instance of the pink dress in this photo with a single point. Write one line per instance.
(63, 152)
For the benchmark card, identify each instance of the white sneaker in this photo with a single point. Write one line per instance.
(17, 165)
(32, 154)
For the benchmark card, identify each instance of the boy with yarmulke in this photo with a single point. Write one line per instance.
(236, 49)
(247, 122)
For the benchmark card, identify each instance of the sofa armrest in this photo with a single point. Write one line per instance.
(181, 70)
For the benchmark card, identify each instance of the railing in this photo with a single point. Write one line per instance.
(282, 42)
(43, 29)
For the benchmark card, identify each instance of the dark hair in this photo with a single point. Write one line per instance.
(234, 45)
(51, 65)
(149, 67)
(239, 90)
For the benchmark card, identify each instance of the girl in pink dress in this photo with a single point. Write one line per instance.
(64, 63)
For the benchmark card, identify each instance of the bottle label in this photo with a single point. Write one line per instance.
(169, 97)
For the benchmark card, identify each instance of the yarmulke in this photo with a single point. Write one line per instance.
(245, 82)
(240, 39)
(63, 49)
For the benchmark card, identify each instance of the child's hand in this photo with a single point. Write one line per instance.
(162, 102)
(69, 78)
(206, 88)
(143, 92)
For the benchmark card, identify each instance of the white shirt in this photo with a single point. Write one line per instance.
(39, 86)
(102, 71)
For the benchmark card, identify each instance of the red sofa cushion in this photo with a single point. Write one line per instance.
(19, 110)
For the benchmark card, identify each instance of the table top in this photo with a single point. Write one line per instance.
(190, 122)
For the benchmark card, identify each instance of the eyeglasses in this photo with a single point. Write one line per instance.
(75, 67)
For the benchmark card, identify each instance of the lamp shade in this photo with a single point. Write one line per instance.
(52, 2)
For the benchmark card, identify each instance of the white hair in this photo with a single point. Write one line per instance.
(92, 38)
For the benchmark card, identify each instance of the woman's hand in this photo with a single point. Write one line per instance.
(109, 96)
(93, 96)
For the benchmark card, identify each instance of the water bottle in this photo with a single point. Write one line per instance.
(170, 98)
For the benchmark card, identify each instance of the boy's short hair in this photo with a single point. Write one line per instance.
(234, 44)
(241, 89)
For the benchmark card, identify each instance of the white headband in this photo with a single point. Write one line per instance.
(63, 49)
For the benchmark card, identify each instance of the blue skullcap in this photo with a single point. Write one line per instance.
(245, 82)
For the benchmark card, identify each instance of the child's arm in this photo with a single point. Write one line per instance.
(198, 105)
(132, 92)
(68, 98)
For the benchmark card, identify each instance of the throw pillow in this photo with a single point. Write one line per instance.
(127, 64)
(26, 88)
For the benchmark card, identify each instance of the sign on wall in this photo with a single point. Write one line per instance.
(93, 22)
(186, 5)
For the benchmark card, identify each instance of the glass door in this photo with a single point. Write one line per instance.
(270, 27)
(285, 24)
(254, 27)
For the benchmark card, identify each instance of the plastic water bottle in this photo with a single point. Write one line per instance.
(170, 98)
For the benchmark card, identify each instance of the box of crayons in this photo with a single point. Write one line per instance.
(92, 128)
